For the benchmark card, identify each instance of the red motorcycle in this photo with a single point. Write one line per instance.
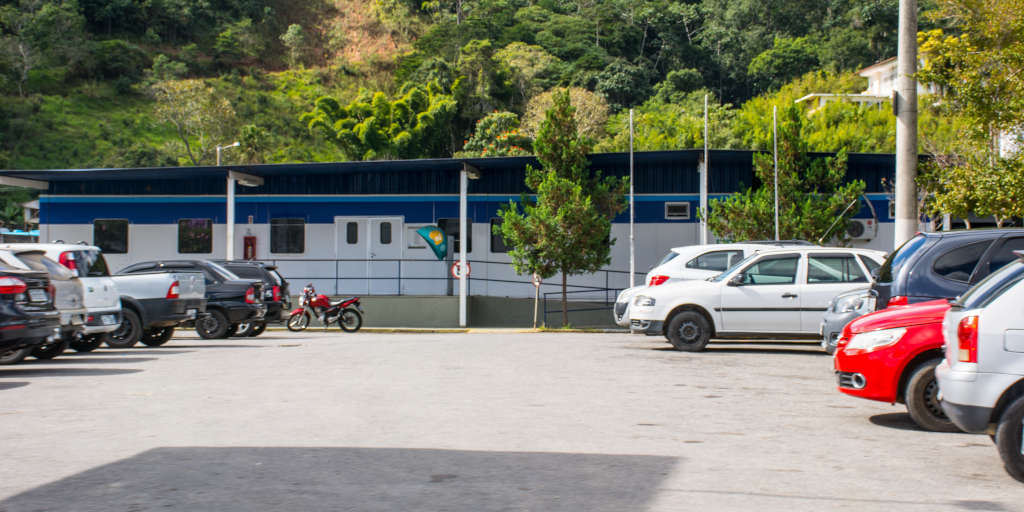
(348, 313)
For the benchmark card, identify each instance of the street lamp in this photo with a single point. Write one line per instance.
(219, 148)
(230, 227)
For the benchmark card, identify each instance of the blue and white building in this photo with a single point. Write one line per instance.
(350, 227)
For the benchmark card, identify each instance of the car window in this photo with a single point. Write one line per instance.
(95, 263)
(990, 288)
(225, 274)
(715, 260)
(37, 261)
(734, 269)
(869, 263)
(1004, 254)
(247, 271)
(668, 257)
(898, 258)
(771, 270)
(834, 269)
(958, 263)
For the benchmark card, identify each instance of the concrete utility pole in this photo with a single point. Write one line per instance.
(905, 106)
(632, 229)
(705, 166)
(230, 224)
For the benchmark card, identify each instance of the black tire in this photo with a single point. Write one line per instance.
(244, 330)
(15, 356)
(1008, 438)
(298, 322)
(50, 350)
(214, 325)
(128, 333)
(688, 331)
(257, 329)
(232, 330)
(157, 336)
(88, 343)
(350, 320)
(922, 399)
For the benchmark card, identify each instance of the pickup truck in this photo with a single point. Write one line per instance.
(154, 302)
(230, 300)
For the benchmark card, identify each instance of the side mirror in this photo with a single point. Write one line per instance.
(874, 273)
(736, 280)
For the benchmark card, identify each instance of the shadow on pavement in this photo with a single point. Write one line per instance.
(221, 346)
(898, 421)
(12, 385)
(138, 351)
(364, 479)
(52, 371)
(90, 360)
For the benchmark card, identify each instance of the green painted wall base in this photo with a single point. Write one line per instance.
(443, 311)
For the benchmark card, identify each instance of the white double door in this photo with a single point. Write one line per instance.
(369, 252)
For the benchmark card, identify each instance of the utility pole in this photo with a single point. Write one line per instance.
(706, 165)
(905, 107)
(632, 229)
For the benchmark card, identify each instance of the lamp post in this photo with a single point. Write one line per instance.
(230, 237)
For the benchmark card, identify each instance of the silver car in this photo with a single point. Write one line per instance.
(69, 297)
(843, 309)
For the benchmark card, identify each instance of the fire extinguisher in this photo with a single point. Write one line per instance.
(249, 247)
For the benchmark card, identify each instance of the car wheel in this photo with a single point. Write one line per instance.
(257, 329)
(244, 330)
(88, 343)
(128, 333)
(688, 331)
(350, 320)
(212, 326)
(1009, 434)
(232, 329)
(922, 398)
(157, 336)
(298, 322)
(15, 356)
(50, 350)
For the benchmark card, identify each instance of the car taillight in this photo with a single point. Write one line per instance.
(12, 286)
(173, 291)
(67, 259)
(250, 296)
(899, 300)
(656, 280)
(967, 338)
(277, 293)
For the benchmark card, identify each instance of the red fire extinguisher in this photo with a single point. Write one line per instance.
(249, 247)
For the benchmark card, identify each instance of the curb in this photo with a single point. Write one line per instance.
(467, 330)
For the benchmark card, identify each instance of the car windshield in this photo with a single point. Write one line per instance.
(990, 288)
(898, 258)
(224, 273)
(732, 270)
(247, 271)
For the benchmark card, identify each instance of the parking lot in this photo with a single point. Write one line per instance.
(484, 421)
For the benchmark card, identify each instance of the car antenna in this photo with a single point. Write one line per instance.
(829, 230)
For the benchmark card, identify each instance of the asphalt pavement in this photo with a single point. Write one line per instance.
(470, 422)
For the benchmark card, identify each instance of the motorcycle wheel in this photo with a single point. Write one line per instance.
(350, 320)
(298, 322)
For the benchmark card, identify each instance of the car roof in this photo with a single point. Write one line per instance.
(827, 250)
(977, 232)
(48, 247)
(760, 245)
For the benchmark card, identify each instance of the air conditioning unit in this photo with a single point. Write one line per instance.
(862, 229)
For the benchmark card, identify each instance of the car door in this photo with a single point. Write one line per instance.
(763, 297)
(827, 275)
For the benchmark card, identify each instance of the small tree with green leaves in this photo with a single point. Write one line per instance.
(567, 228)
(814, 203)
(497, 134)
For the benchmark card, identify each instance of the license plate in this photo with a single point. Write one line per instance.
(108, 319)
(36, 295)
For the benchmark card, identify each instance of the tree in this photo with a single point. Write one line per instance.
(591, 111)
(528, 64)
(567, 229)
(295, 40)
(812, 195)
(788, 58)
(414, 125)
(34, 32)
(201, 118)
(496, 135)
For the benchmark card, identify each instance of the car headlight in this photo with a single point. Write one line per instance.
(847, 304)
(876, 339)
(643, 300)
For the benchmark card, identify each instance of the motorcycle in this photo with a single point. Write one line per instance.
(347, 313)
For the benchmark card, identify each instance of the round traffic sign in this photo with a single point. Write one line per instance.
(456, 269)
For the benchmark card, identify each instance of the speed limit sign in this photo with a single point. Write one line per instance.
(457, 269)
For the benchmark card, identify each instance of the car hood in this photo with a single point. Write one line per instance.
(901, 316)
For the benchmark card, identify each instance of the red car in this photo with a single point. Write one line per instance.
(891, 355)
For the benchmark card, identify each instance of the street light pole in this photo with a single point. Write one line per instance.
(230, 227)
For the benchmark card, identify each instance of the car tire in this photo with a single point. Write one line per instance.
(88, 343)
(232, 330)
(214, 325)
(157, 336)
(1009, 433)
(15, 356)
(128, 333)
(50, 350)
(688, 331)
(922, 399)
(244, 330)
(257, 329)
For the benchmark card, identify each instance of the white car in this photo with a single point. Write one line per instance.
(780, 293)
(692, 262)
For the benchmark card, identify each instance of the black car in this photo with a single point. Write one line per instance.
(28, 317)
(230, 299)
(275, 291)
(943, 265)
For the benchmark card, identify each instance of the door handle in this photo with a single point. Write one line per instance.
(788, 295)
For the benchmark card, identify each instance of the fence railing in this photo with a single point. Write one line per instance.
(394, 276)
